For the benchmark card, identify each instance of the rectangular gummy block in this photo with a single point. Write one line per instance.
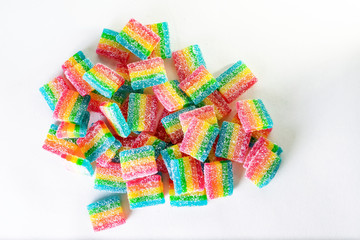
(72, 130)
(235, 81)
(218, 179)
(187, 199)
(199, 84)
(146, 139)
(108, 178)
(187, 175)
(206, 113)
(78, 165)
(137, 38)
(96, 100)
(109, 47)
(109, 154)
(233, 142)
(147, 73)
(72, 61)
(52, 91)
(75, 75)
(221, 108)
(106, 213)
(187, 61)
(147, 191)
(170, 153)
(163, 48)
(253, 115)
(199, 139)
(138, 162)
(116, 119)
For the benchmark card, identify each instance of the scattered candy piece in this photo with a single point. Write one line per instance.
(206, 113)
(78, 165)
(221, 108)
(97, 99)
(75, 59)
(109, 154)
(218, 179)
(75, 75)
(108, 178)
(53, 90)
(146, 139)
(117, 121)
(72, 130)
(170, 153)
(163, 48)
(187, 199)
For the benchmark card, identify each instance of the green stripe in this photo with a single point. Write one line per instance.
(225, 177)
(52, 132)
(162, 39)
(146, 198)
(77, 57)
(136, 156)
(135, 112)
(179, 92)
(182, 175)
(85, 66)
(194, 57)
(114, 184)
(172, 122)
(188, 198)
(105, 208)
(77, 130)
(205, 141)
(147, 77)
(203, 88)
(231, 75)
(226, 145)
(109, 37)
(75, 108)
(50, 94)
(275, 148)
(103, 139)
(261, 113)
(135, 44)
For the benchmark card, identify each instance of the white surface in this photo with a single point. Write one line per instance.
(307, 58)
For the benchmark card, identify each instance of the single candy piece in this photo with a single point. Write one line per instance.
(187, 199)
(198, 139)
(53, 90)
(187, 175)
(253, 115)
(106, 213)
(72, 130)
(163, 48)
(169, 154)
(109, 47)
(97, 140)
(218, 179)
(108, 178)
(233, 142)
(171, 96)
(138, 162)
(221, 108)
(71, 107)
(105, 80)
(75, 59)
(137, 38)
(147, 73)
(187, 61)
(75, 75)
(146, 139)
(206, 113)
(199, 84)
(117, 121)
(109, 154)
(96, 100)
(235, 81)
(78, 165)
(147, 191)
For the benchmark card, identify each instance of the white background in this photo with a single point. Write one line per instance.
(306, 56)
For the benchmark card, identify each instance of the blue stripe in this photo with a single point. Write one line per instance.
(104, 202)
(101, 149)
(209, 141)
(205, 93)
(47, 98)
(130, 47)
(147, 203)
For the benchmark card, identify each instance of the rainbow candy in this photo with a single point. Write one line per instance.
(233, 142)
(163, 48)
(106, 213)
(109, 47)
(199, 85)
(123, 71)
(146, 139)
(187, 61)
(169, 154)
(147, 191)
(108, 178)
(206, 113)
(53, 90)
(186, 199)
(78, 165)
(218, 179)
(138, 162)
(97, 140)
(147, 73)
(75, 59)
(75, 75)
(253, 115)
(187, 175)
(116, 158)
(212, 157)
(235, 81)
(109, 154)
(96, 99)
(137, 38)
(117, 121)
(71, 107)
(104, 80)
(221, 108)
(199, 139)
(171, 96)
(72, 130)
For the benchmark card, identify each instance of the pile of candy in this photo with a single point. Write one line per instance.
(153, 126)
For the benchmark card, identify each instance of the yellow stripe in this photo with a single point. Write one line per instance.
(173, 128)
(104, 80)
(70, 129)
(189, 175)
(188, 59)
(101, 215)
(141, 125)
(204, 126)
(233, 142)
(256, 116)
(94, 140)
(258, 175)
(138, 38)
(63, 142)
(199, 83)
(113, 44)
(144, 192)
(79, 69)
(138, 162)
(148, 71)
(150, 140)
(69, 106)
(235, 80)
(220, 189)
(54, 90)
(108, 177)
(176, 99)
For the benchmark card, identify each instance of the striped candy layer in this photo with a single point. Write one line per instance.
(163, 48)
(147, 191)
(106, 213)
(78, 165)
(221, 108)
(146, 139)
(235, 81)
(75, 59)
(72, 130)
(218, 179)
(53, 90)
(187, 199)
(253, 115)
(169, 154)
(206, 113)
(117, 121)
(187, 61)
(96, 99)
(137, 38)
(109, 47)
(109, 154)
(108, 178)
(199, 85)
(75, 75)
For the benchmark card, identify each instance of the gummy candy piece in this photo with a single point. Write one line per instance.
(97, 140)
(147, 191)
(96, 100)
(108, 178)
(123, 71)
(221, 108)
(138, 162)
(233, 142)
(170, 153)
(206, 113)
(146, 139)
(171, 96)
(71, 107)
(163, 48)
(199, 85)
(187, 175)
(137, 38)
(198, 139)
(75, 59)
(78, 165)
(106, 213)
(104, 80)
(218, 179)
(53, 90)
(109, 154)
(187, 199)
(212, 157)
(253, 115)
(116, 158)
(147, 73)
(117, 121)
(75, 75)
(235, 81)
(187, 61)
(72, 130)
(109, 47)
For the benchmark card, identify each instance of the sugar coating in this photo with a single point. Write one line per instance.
(221, 108)
(73, 60)
(137, 38)
(109, 154)
(116, 158)
(160, 131)
(106, 213)
(187, 199)
(138, 162)
(146, 191)
(72, 130)
(235, 81)
(212, 157)
(52, 91)
(172, 152)
(218, 179)
(116, 119)
(146, 139)
(96, 99)
(161, 165)
(206, 113)
(187, 60)
(75, 75)
(78, 165)
(163, 48)
(108, 178)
